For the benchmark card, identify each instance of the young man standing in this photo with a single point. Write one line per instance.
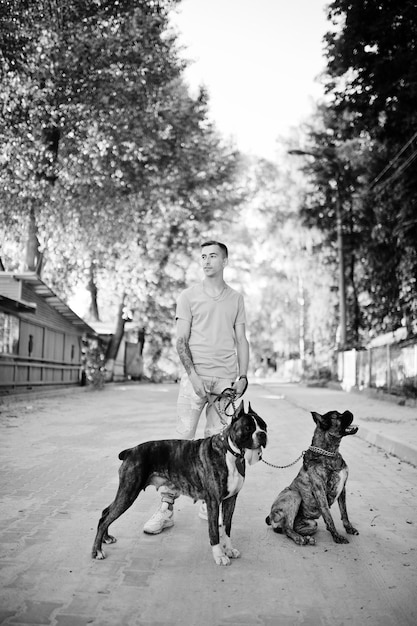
(214, 350)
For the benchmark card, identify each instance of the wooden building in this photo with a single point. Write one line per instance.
(41, 338)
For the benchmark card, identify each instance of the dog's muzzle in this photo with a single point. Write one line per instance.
(351, 430)
(259, 441)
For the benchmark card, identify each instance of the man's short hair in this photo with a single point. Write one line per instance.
(222, 247)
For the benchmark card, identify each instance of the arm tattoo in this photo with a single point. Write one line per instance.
(184, 353)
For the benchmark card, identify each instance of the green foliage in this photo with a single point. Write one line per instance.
(93, 364)
(365, 138)
(278, 265)
(104, 147)
(72, 74)
(372, 65)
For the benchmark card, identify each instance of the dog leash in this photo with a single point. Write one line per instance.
(312, 448)
(226, 393)
(284, 466)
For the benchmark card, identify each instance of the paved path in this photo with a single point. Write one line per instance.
(59, 470)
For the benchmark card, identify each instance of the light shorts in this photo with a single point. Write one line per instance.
(190, 407)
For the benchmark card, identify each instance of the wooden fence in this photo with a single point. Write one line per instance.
(19, 371)
(391, 368)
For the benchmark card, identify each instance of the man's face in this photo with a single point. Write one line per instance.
(212, 260)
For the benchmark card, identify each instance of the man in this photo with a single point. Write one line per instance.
(214, 350)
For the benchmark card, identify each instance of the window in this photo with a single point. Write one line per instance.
(9, 333)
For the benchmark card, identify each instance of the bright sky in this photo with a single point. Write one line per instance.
(259, 60)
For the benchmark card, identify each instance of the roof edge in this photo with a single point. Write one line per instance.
(45, 292)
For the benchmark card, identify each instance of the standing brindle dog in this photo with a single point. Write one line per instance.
(210, 469)
(320, 482)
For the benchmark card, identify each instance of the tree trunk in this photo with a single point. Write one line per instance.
(114, 345)
(141, 340)
(33, 258)
(92, 288)
(355, 318)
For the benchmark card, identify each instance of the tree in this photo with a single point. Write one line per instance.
(281, 271)
(362, 132)
(65, 93)
(371, 70)
(105, 153)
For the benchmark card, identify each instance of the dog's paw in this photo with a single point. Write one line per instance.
(99, 555)
(351, 531)
(232, 553)
(227, 547)
(309, 541)
(220, 558)
(299, 540)
(340, 538)
(109, 539)
(305, 540)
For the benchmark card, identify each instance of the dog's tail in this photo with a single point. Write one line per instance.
(278, 529)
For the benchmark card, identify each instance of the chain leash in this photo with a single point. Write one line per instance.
(284, 466)
(231, 397)
(312, 448)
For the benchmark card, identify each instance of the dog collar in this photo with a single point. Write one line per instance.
(240, 459)
(321, 451)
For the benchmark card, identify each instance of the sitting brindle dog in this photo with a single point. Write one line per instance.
(210, 469)
(320, 481)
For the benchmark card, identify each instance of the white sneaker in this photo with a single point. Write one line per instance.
(202, 513)
(162, 518)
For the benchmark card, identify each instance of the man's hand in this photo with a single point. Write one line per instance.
(197, 384)
(240, 386)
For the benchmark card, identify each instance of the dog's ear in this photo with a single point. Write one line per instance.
(240, 411)
(321, 420)
(250, 408)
